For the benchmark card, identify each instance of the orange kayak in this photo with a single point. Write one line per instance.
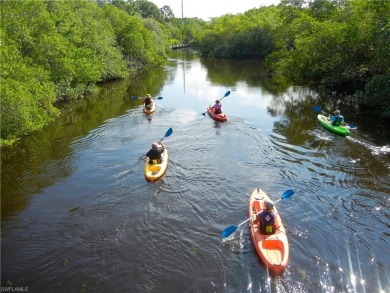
(272, 249)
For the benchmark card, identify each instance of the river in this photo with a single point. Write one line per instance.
(78, 215)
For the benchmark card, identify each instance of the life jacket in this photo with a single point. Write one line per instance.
(155, 156)
(218, 107)
(148, 101)
(337, 121)
(267, 223)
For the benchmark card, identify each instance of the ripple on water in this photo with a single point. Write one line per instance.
(96, 224)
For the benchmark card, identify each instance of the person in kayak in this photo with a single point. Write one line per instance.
(337, 119)
(148, 101)
(266, 218)
(154, 154)
(217, 107)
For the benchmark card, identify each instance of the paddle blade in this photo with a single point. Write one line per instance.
(226, 94)
(169, 132)
(134, 98)
(287, 194)
(316, 109)
(159, 98)
(228, 231)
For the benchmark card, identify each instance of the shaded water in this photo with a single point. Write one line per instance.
(78, 215)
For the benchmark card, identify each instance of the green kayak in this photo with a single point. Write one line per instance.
(325, 121)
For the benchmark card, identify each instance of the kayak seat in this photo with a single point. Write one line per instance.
(272, 243)
(275, 250)
(155, 162)
(256, 209)
(154, 168)
(256, 205)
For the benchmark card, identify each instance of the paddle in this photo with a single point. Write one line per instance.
(318, 110)
(136, 98)
(229, 230)
(168, 133)
(226, 94)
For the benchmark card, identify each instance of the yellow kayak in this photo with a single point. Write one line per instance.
(149, 110)
(155, 171)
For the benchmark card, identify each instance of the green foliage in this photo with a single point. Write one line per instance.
(322, 10)
(159, 40)
(143, 42)
(142, 8)
(27, 94)
(184, 31)
(166, 12)
(148, 9)
(341, 46)
(61, 49)
(241, 36)
(134, 44)
(335, 45)
(376, 96)
(71, 40)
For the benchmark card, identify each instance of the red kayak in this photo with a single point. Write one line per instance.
(217, 117)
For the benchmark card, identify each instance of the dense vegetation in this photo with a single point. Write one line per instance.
(60, 50)
(341, 47)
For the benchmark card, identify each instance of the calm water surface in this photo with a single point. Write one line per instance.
(78, 215)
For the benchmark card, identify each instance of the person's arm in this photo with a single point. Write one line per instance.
(255, 216)
(160, 148)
